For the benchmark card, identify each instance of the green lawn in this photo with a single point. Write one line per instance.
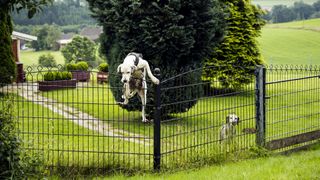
(300, 166)
(29, 58)
(282, 45)
(74, 145)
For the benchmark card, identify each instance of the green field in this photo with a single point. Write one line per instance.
(270, 3)
(291, 43)
(29, 58)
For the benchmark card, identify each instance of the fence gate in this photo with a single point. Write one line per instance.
(292, 107)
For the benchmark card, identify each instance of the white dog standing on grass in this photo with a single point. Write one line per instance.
(133, 70)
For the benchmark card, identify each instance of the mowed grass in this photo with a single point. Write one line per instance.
(181, 137)
(310, 24)
(290, 46)
(299, 166)
(29, 58)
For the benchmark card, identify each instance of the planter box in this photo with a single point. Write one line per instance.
(102, 77)
(83, 76)
(54, 85)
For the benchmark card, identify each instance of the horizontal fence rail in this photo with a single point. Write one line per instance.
(80, 126)
(293, 116)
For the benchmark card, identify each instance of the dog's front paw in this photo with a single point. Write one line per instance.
(156, 81)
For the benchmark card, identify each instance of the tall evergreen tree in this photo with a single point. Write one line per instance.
(239, 50)
(174, 35)
(7, 63)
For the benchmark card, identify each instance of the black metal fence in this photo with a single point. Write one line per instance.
(83, 129)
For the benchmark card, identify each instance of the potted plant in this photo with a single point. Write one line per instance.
(79, 71)
(103, 73)
(57, 80)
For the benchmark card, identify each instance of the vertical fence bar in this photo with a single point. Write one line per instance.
(157, 124)
(260, 105)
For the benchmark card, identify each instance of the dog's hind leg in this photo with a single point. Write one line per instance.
(151, 76)
(143, 96)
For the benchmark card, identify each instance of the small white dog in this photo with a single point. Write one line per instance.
(133, 70)
(228, 130)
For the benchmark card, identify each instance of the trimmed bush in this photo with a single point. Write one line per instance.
(103, 67)
(47, 61)
(54, 76)
(80, 66)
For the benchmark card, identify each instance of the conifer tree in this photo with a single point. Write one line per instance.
(233, 60)
(7, 63)
(175, 36)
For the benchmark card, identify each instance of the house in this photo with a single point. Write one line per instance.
(17, 37)
(64, 40)
(92, 33)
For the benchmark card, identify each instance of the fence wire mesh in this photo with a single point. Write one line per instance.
(293, 103)
(81, 128)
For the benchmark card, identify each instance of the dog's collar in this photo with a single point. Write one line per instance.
(136, 60)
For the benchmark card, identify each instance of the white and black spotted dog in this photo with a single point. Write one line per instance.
(134, 70)
(228, 130)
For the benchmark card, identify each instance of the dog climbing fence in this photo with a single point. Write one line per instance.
(79, 127)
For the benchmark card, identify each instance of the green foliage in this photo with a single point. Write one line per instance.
(175, 36)
(47, 61)
(60, 13)
(47, 37)
(239, 51)
(103, 67)
(7, 62)
(31, 7)
(299, 11)
(80, 66)
(15, 163)
(80, 49)
(57, 75)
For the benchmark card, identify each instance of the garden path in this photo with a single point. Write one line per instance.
(30, 92)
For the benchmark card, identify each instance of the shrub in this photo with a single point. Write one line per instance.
(175, 36)
(79, 49)
(80, 66)
(15, 163)
(103, 67)
(53, 76)
(47, 61)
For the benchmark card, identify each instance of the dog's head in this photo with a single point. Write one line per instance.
(126, 72)
(233, 119)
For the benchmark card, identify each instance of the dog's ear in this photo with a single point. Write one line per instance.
(119, 69)
(228, 119)
(133, 68)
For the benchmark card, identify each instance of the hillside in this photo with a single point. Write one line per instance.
(291, 43)
(267, 4)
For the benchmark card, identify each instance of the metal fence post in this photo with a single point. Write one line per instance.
(157, 125)
(260, 105)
